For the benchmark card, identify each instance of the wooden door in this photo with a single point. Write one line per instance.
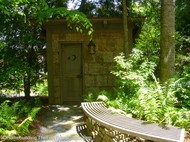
(71, 68)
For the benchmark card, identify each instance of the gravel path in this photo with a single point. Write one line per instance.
(61, 124)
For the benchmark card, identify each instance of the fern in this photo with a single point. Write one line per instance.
(11, 114)
(23, 128)
(141, 95)
(2, 132)
(8, 116)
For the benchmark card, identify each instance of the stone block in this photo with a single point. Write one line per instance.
(55, 54)
(56, 81)
(108, 57)
(55, 36)
(55, 57)
(62, 36)
(56, 94)
(116, 35)
(99, 58)
(90, 80)
(55, 46)
(101, 80)
(119, 45)
(56, 70)
(95, 68)
(101, 45)
(74, 37)
(111, 80)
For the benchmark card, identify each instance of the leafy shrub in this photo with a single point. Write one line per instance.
(182, 86)
(134, 72)
(95, 95)
(16, 117)
(149, 37)
(41, 88)
(8, 116)
(142, 96)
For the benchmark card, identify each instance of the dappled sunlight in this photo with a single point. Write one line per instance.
(63, 109)
(60, 122)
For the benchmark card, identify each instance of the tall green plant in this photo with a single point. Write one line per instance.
(141, 95)
(182, 87)
(133, 72)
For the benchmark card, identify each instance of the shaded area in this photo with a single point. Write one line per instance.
(60, 123)
(82, 131)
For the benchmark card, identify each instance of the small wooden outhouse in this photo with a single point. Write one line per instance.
(73, 69)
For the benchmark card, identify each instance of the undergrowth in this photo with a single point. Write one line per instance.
(17, 116)
(142, 96)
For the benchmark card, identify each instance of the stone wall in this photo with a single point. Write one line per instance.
(99, 65)
(96, 68)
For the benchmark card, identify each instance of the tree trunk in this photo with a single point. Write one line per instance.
(167, 41)
(27, 85)
(82, 6)
(27, 78)
(126, 48)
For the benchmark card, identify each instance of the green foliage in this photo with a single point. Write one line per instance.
(182, 17)
(22, 45)
(8, 115)
(145, 8)
(111, 8)
(74, 18)
(182, 86)
(16, 117)
(133, 72)
(41, 88)
(182, 79)
(24, 125)
(11, 77)
(22, 51)
(139, 92)
(99, 96)
(182, 44)
(17, 64)
(141, 95)
(149, 38)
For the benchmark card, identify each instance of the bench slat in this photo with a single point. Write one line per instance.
(100, 113)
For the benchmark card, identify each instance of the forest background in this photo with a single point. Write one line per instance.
(141, 88)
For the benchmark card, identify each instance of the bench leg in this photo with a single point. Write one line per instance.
(88, 124)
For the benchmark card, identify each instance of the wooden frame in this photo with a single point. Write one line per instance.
(82, 63)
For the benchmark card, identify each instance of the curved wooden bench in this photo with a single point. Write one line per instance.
(100, 114)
